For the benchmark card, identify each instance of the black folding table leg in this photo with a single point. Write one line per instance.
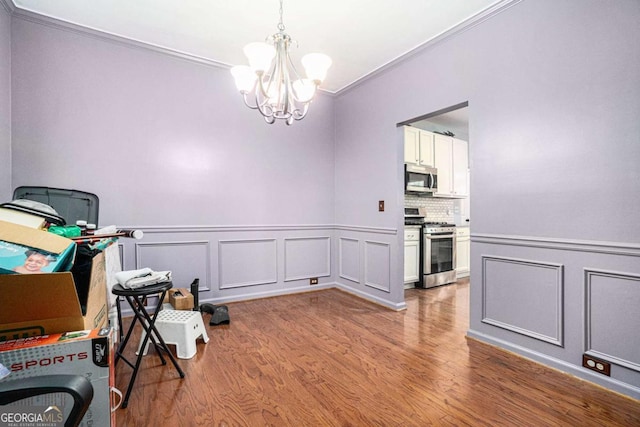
(135, 298)
(152, 330)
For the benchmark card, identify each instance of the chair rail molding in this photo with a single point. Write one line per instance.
(613, 248)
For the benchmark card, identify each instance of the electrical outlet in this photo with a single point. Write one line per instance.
(596, 365)
(313, 281)
(381, 206)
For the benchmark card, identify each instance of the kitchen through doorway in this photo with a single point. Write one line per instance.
(438, 218)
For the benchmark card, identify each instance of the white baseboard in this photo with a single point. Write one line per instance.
(561, 365)
(380, 301)
(126, 311)
(268, 294)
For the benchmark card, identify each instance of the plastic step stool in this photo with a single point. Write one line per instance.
(181, 328)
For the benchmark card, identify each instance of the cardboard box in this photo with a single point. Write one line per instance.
(87, 353)
(22, 218)
(38, 304)
(16, 240)
(181, 299)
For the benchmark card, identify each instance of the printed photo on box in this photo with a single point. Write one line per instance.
(22, 259)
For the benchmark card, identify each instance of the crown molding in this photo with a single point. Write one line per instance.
(459, 28)
(59, 24)
(108, 37)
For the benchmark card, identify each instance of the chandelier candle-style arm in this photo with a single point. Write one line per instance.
(271, 84)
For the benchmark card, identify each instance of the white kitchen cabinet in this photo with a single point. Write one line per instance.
(463, 251)
(411, 255)
(451, 158)
(418, 146)
(443, 161)
(460, 167)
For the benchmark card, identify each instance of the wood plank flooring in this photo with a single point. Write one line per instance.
(327, 358)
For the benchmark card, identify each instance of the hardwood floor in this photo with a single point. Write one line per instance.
(327, 358)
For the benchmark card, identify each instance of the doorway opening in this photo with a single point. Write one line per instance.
(437, 141)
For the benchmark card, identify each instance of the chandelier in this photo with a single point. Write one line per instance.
(273, 86)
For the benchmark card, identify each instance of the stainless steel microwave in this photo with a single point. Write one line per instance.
(420, 179)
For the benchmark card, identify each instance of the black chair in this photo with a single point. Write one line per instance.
(76, 385)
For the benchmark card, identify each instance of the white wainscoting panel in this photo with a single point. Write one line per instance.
(349, 259)
(121, 254)
(377, 259)
(612, 317)
(186, 260)
(524, 296)
(306, 257)
(247, 262)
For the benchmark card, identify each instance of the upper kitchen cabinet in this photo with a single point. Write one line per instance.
(418, 146)
(451, 158)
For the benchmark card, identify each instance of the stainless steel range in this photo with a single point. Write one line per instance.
(439, 254)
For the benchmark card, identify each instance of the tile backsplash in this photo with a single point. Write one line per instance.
(440, 210)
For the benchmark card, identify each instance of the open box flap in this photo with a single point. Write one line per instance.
(33, 238)
(29, 297)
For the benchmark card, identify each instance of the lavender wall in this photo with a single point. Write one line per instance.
(169, 147)
(5, 104)
(554, 95)
(161, 140)
(554, 100)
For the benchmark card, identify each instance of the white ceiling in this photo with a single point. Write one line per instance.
(361, 36)
(456, 121)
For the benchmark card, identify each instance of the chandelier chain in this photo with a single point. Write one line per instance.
(280, 24)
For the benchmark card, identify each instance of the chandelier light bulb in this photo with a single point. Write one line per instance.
(305, 89)
(316, 65)
(245, 78)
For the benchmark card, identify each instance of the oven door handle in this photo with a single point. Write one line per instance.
(439, 236)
